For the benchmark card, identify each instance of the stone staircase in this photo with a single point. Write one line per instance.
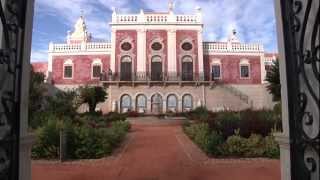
(242, 96)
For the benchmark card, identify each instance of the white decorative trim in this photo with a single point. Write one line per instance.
(200, 50)
(172, 57)
(113, 50)
(141, 51)
(223, 47)
(79, 47)
(152, 19)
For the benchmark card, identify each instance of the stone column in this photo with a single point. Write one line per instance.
(263, 69)
(141, 54)
(200, 55)
(172, 57)
(283, 138)
(149, 101)
(26, 139)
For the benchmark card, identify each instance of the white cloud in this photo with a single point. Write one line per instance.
(39, 55)
(253, 19)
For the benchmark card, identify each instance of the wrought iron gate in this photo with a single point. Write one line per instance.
(301, 35)
(12, 14)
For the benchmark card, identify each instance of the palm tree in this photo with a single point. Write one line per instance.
(273, 77)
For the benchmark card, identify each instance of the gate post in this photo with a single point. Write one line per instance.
(298, 41)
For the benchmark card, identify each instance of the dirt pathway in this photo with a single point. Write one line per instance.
(158, 151)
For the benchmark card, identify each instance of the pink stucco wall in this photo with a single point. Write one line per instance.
(181, 36)
(157, 34)
(230, 67)
(82, 69)
(122, 35)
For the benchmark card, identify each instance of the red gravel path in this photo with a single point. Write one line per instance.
(158, 152)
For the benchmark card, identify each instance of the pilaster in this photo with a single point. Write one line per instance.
(200, 54)
(113, 50)
(172, 56)
(141, 54)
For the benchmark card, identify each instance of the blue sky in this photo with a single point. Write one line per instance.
(254, 20)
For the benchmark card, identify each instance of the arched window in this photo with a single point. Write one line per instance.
(156, 68)
(187, 102)
(187, 68)
(141, 103)
(125, 103)
(172, 103)
(126, 68)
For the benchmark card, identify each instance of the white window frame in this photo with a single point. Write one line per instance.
(245, 62)
(215, 62)
(96, 62)
(68, 62)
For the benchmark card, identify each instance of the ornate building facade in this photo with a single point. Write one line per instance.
(159, 62)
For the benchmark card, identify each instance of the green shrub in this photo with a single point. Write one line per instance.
(114, 116)
(256, 122)
(255, 146)
(277, 112)
(235, 145)
(48, 140)
(91, 119)
(271, 147)
(88, 143)
(91, 143)
(206, 140)
(200, 114)
(226, 123)
(40, 118)
(215, 142)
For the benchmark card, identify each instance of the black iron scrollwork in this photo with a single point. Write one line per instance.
(303, 20)
(12, 16)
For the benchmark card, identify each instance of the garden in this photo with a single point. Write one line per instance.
(248, 133)
(244, 134)
(61, 131)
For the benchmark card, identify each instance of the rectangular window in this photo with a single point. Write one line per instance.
(216, 72)
(244, 71)
(96, 71)
(68, 71)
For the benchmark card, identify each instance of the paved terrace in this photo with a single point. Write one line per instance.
(158, 150)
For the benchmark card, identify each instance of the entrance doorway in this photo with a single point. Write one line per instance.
(156, 104)
(156, 68)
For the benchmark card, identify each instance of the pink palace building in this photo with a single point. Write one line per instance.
(158, 63)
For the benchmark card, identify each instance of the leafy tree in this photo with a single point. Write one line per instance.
(36, 92)
(273, 77)
(63, 103)
(92, 96)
